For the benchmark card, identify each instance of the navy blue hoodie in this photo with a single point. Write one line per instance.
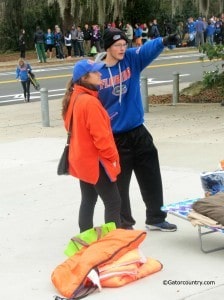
(125, 108)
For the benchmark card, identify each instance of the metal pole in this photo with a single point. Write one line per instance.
(44, 107)
(175, 88)
(144, 92)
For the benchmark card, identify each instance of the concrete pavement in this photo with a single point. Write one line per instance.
(38, 209)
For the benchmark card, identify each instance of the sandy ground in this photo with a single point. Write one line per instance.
(178, 130)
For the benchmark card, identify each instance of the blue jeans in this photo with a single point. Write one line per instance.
(210, 39)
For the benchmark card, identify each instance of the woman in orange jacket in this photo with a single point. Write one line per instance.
(93, 156)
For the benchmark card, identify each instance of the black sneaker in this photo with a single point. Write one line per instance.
(164, 226)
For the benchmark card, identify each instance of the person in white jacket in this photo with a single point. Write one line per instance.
(68, 43)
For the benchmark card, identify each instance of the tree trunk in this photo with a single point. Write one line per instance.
(221, 6)
(204, 7)
(101, 11)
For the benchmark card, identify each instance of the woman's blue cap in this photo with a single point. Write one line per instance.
(85, 66)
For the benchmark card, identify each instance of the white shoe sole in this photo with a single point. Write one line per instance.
(152, 227)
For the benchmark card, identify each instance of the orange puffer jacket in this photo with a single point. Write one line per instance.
(71, 277)
(130, 267)
(91, 140)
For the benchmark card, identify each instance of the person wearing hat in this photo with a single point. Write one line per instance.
(120, 95)
(93, 156)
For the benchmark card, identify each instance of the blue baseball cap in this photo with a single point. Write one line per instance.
(85, 66)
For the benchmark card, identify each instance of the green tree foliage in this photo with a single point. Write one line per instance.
(10, 22)
(146, 10)
(28, 14)
(213, 52)
(142, 11)
(189, 10)
(24, 14)
(215, 77)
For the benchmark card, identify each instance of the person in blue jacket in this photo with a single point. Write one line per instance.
(210, 32)
(49, 42)
(22, 74)
(120, 95)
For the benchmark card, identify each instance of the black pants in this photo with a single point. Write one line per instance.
(60, 53)
(108, 191)
(69, 49)
(75, 47)
(26, 89)
(139, 154)
(22, 51)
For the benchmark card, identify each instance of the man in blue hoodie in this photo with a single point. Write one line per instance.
(120, 95)
(200, 29)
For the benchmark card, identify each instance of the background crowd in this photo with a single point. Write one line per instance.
(86, 40)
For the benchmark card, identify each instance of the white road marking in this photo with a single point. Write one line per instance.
(152, 81)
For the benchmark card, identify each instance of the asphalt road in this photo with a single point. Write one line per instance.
(54, 78)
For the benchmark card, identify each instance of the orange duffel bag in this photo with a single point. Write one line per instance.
(79, 275)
